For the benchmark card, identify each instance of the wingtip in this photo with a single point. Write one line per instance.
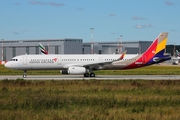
(122, 56)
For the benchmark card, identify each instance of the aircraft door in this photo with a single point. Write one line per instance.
(100, 59)
(25, 60)
(59, 61)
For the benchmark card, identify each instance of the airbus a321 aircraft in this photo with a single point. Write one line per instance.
(85, 63)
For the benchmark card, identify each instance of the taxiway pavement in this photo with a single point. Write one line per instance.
(98, 77)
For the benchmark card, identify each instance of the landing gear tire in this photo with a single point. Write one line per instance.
(24, 75)
(92, 75)
(86, 75)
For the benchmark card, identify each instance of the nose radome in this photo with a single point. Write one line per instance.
(7, 65)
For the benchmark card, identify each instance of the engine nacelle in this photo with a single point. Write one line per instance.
(74, 70)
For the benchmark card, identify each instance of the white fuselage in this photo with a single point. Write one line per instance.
(60, 62)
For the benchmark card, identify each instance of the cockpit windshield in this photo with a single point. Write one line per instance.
(14, 59)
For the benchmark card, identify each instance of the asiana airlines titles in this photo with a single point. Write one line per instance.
(42, 61)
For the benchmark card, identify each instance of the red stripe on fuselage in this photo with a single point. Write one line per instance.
(145, 57)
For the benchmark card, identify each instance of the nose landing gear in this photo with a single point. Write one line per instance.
(24, 75)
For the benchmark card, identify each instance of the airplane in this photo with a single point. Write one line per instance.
(43, 50)
(85, 64)
(175, 58)
(177, 54)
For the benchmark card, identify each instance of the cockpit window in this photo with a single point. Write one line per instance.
(14, 59)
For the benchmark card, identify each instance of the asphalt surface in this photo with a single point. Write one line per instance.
(98, 77)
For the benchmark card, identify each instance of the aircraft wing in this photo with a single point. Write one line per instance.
(109, 62)
(95, 65)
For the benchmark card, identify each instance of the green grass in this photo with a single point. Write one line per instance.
(150, 70)
(59, 100)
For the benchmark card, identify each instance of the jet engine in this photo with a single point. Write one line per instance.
(74, 70)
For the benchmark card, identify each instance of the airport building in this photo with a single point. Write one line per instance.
(11, 48)
(53, 46)
(132, 47)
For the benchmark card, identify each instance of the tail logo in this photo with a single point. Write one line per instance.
(55, 59)
(43, 50)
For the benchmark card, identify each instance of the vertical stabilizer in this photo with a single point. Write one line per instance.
(43, 50)
(157, 48)
(154, 54)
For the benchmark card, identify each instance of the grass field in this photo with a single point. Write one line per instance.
(91, 99)
(87, 100)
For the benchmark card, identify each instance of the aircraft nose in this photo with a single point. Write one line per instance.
(7, 65)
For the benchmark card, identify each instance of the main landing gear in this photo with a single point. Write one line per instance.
(89, 75)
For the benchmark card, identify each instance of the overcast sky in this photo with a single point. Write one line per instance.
(52, 19)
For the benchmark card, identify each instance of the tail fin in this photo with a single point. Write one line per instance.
(43, 50)
(153, 55)
(177, 53)
(157, 48)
